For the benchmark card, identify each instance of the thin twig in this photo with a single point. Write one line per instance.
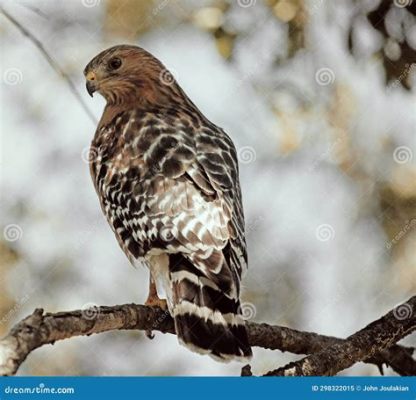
(367, 342)
(52, 62)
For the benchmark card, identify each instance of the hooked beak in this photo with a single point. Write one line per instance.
(91, 88)
(91, 83)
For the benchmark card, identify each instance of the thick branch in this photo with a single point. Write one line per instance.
(366, 343)
(39, 329)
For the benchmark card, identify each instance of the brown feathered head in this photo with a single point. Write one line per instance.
(126, 73)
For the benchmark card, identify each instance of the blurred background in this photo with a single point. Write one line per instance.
(319, 98)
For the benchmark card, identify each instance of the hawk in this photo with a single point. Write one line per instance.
(167, 181)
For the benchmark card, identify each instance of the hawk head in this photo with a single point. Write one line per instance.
(126, 73)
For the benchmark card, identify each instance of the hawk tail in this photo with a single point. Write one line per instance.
(207, 321)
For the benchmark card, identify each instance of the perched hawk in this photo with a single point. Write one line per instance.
(167, 180)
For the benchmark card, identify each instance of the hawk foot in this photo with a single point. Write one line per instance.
(154, 301)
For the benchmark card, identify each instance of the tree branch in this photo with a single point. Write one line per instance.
(39, 329)
(364, 344)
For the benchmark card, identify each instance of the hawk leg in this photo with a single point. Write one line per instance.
(153, 300)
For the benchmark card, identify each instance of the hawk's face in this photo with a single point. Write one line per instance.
(124, 73)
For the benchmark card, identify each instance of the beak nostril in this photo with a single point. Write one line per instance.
(90, 76)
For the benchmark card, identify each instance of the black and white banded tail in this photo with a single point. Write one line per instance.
(207, 316)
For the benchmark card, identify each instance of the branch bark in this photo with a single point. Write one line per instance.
(379, 348)
(364, 344)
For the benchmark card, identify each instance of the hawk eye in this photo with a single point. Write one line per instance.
(114, 63)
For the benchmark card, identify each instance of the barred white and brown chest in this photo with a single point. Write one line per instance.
(169, 187)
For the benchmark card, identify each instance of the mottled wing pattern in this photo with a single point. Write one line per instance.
(170, 187)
